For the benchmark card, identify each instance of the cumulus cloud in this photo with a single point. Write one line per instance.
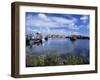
(41, 20)
(84, 18)
(43, 17)
(45, 22)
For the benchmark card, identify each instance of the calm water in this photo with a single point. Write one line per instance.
(61, 46)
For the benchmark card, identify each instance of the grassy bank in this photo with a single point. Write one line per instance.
(54, 60)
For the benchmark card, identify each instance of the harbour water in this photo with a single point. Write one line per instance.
(61, 46)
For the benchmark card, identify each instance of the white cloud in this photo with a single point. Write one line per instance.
(84, 18)
(72, 18)
(75, 27)
(58, 32)
(61, 20)
(43, 17)
(44, 23)
(43, 20)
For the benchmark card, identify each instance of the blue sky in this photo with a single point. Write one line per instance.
(60, 24)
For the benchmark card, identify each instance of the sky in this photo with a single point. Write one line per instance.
(58, 24)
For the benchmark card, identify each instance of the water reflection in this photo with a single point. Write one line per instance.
(60, 46)
(58, 52)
